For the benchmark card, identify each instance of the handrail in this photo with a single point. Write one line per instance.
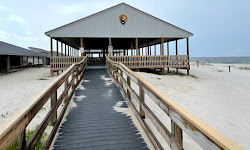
(181, 119)
(14, 127)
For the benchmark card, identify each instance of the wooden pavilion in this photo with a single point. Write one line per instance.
(124, 34)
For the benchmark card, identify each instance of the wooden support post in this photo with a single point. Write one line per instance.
(188, 57)
(21, 62)
(33, 61)
(65, 50)
(150, 50)
(176, 48)
(168, 54)
(38, 60)
(68, 50)
(61, 49)
(176, 136)
(27, 61)
(129, 84)
(132, 48)
(137, 53)
(51, 47)
(116, 73)
(162, 55)
(56, 48)
(8, 64)
(21, 140)
(142, 99)
(121, 72)
(82, 46)
(66, 84)
(72, 77)
(53, 102)
(155, 49)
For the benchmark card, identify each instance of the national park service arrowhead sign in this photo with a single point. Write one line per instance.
(123, 19)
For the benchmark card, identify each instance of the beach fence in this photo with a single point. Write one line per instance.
(14, 129)
(60, 63)
(181, 120)
(154, 61)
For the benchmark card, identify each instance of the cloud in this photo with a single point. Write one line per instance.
(15, 18)
(26, 40)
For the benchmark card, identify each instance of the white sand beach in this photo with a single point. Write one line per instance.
(218, 97)
(18, 88)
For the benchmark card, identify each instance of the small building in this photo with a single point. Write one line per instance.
(47, 54)
(13, 58)
(125, 34)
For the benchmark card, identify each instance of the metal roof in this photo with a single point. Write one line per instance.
(106, 24)
(44, 52)
(9, 49)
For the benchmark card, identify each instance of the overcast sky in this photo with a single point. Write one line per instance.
(220, 27)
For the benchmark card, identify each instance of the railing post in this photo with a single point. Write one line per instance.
(121, 78)
(142, 99)
(72, 78)
(66, 84)
(129, 84)
(176, 136)
(117, 73)
(53, 102)
(77, 75)
(21, 140)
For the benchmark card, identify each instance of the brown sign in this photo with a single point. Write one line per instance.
(123, 19)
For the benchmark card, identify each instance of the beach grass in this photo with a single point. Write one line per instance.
(39, 146)
(43, 79)
(244, 68)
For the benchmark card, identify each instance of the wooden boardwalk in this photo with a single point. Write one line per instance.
(93, 123)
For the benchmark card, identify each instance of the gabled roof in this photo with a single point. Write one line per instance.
(106, 24)
(9, 49)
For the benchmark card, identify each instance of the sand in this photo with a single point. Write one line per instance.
(217, 96)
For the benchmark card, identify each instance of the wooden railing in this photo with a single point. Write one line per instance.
(58, 63)
(181, 120)
(153, 61)
(14, 129)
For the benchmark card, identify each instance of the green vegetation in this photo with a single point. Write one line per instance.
(43, 79)
(4, 115)
(220, 70)
(179, 74)
(244, 68)
(39, 146)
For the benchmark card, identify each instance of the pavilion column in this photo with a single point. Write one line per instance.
(68, 50)
(168, 54)
(51, 47)
(110, 48)
(21, 62)
(82, 47)
(176, 49)
(65, 50)
(155, 49)
(162, 54)
(56, 48)
(137, 52)
(188, 56)
(61, 49)
(132, 48)
(8, 64)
